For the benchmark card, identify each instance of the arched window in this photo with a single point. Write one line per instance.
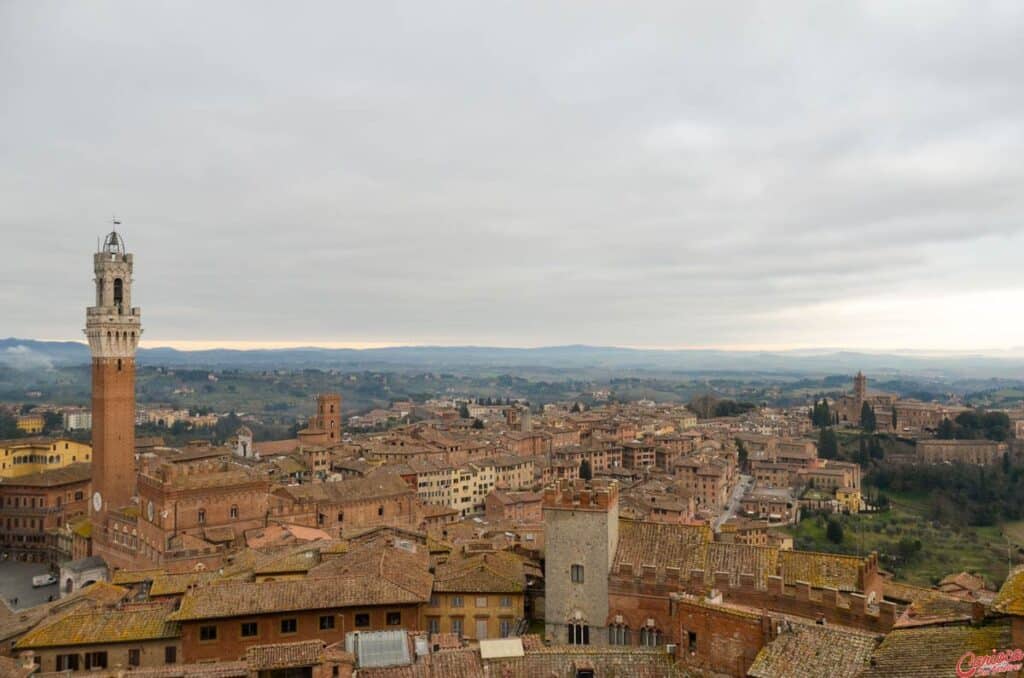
(618, 634)
(579, 634)
(118, 291)
(650, 637)
(234, 510)
(202, 516)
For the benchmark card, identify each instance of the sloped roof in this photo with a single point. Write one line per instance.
(104, 625)
(810, 651)
(73, 473)
(934, 650)
(926, 606)
(448, 664)
(407, 570)
(285, 655)
(1010, 599)
(659, 544)
(177, 584)
(484, 573)
(820, 569)
(234, 598)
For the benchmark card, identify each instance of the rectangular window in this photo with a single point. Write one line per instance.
(394, 618)
(691, 641)
(506, 627)
(506, 601)
(481, 601)
(456, 601)
(250, 629)
(207, 633)
(433, 625)
(289, 625)
(170, 654)
(326, 622)
(577, 574)
(67, 662)
(457, 625)
(362, 620)
(435, 600)
(134, 657)
(95, 660)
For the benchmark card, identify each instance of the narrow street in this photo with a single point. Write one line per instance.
(744, 484)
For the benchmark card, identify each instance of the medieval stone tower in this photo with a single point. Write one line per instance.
(860, 389)
(113, 328)
(581, 534)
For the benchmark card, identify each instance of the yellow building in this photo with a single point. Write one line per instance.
(25, 456)
(477, 597)
(31, 423)
(849, 499)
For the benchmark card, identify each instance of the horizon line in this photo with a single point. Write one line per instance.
(188, 345)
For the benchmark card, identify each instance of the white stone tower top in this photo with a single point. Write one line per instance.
(113, 326)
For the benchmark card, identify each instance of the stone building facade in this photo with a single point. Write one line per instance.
(581, 535)
(984, 452)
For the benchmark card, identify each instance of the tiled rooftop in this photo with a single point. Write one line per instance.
(934, 650)
(104, 625)
(285, 655)
(404, 569)
(659, 544)
(811, 651)
(820, 569)
(224, 599)
(485, 573)
(1010, 599)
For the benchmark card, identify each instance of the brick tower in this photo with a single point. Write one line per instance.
(860, 389)
(113, 328)
(328, 415)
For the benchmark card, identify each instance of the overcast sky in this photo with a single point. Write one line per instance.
(520, 174)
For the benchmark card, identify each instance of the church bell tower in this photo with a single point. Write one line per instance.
(113, 328)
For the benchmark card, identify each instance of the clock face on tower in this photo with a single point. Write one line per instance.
(97, 501)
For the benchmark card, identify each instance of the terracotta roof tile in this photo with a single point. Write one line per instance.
(233, 598)
(285, 655)
(934, 650)
(132, 623)
(407, 570)
(810, 651)
(1010, 599)
(820, 569)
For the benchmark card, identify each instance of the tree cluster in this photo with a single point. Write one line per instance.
(960, 494)
(869, 447)
(707, 406)
(975, 425)
(822, 415)
(868, 422)
(828, 444)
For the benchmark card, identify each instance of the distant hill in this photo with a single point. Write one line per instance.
(29, 353)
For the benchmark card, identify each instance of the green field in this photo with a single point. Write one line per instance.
(944, 549)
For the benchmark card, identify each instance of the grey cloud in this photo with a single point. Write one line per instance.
(518, 174)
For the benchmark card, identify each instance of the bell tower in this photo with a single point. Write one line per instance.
(113, 328)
